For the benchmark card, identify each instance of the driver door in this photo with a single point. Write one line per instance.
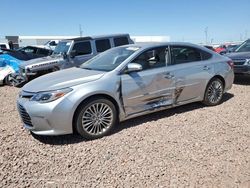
(150, 88)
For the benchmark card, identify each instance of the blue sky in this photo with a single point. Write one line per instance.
(182, 20)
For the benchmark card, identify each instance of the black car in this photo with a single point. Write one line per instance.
(241, 58)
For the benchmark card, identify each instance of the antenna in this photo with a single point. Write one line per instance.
(80, 30)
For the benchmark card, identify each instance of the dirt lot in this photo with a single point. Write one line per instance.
(189, 146)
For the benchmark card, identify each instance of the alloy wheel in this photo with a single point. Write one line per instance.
(215, 92)
(97, 118)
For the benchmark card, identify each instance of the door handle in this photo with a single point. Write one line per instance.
(206, 67)
(168, 75)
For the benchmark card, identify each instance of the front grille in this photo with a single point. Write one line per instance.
(25, 116)
(239, 61)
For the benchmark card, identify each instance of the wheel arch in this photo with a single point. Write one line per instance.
(105, 96)
(219, 77)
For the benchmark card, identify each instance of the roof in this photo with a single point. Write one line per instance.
(97, 37)
(155, 44)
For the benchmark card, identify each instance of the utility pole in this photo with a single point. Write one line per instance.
(206, 33)
(80, 30)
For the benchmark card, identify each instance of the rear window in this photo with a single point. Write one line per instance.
(119, 41)
(102, 45)
(82, 48)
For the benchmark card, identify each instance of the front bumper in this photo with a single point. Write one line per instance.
(242, 69)
(53, 118)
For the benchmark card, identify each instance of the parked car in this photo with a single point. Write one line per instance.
(241, 58)
(209, 47)
(71, 53)
(51, 44)
(123, 83)
(232, 47)
(4, 46)
(222, 49)
(11, 59)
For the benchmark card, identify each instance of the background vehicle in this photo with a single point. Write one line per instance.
(71, 53)
(232, 48)
(51, 44)
(123, 83)
(4, 46)
(11, 59)
(210, 47)
(222, 49)
(241, 58)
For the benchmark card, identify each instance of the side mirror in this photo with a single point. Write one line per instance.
(133, 67)
(72, 54)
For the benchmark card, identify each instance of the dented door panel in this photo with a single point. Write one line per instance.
(147, 90)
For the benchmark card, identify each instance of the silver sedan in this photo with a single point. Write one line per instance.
(123, 83)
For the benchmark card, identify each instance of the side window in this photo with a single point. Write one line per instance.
(119, 41)
(205, 55)
(153, 58)
(82, 48)
(102, 45)
(184, 54)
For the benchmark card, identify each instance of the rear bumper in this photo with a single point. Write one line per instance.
(243, 69)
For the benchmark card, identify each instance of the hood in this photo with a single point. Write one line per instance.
(239, 55)
(47, 59)
(62, 79)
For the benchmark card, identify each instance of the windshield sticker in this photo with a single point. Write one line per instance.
(132, 48)
(68, 43)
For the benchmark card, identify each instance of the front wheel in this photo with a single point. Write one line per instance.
(95, 118)
(14, 80)
(214, 92)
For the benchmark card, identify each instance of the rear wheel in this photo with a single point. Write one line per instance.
(214, 92)
(95, 118)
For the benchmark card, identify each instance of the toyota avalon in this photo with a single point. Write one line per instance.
(122, 83)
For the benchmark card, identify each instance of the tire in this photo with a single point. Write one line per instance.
(214, 92)
(12, 80)
(95, 118)
(8, 80)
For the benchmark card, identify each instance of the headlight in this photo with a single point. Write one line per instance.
(48, 96)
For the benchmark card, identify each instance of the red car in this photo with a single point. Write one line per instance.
(221, 49)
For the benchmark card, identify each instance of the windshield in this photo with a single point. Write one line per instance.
(109, 60)
(244, 47)
(62, 47)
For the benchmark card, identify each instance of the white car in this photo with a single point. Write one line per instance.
(4, 46)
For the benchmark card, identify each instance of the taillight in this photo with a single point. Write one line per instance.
(231, 64)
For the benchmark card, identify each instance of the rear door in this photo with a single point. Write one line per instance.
(191, 69)
(151, 87)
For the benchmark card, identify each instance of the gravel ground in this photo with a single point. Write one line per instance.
(189, 146)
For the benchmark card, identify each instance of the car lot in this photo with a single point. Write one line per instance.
(191, 145)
